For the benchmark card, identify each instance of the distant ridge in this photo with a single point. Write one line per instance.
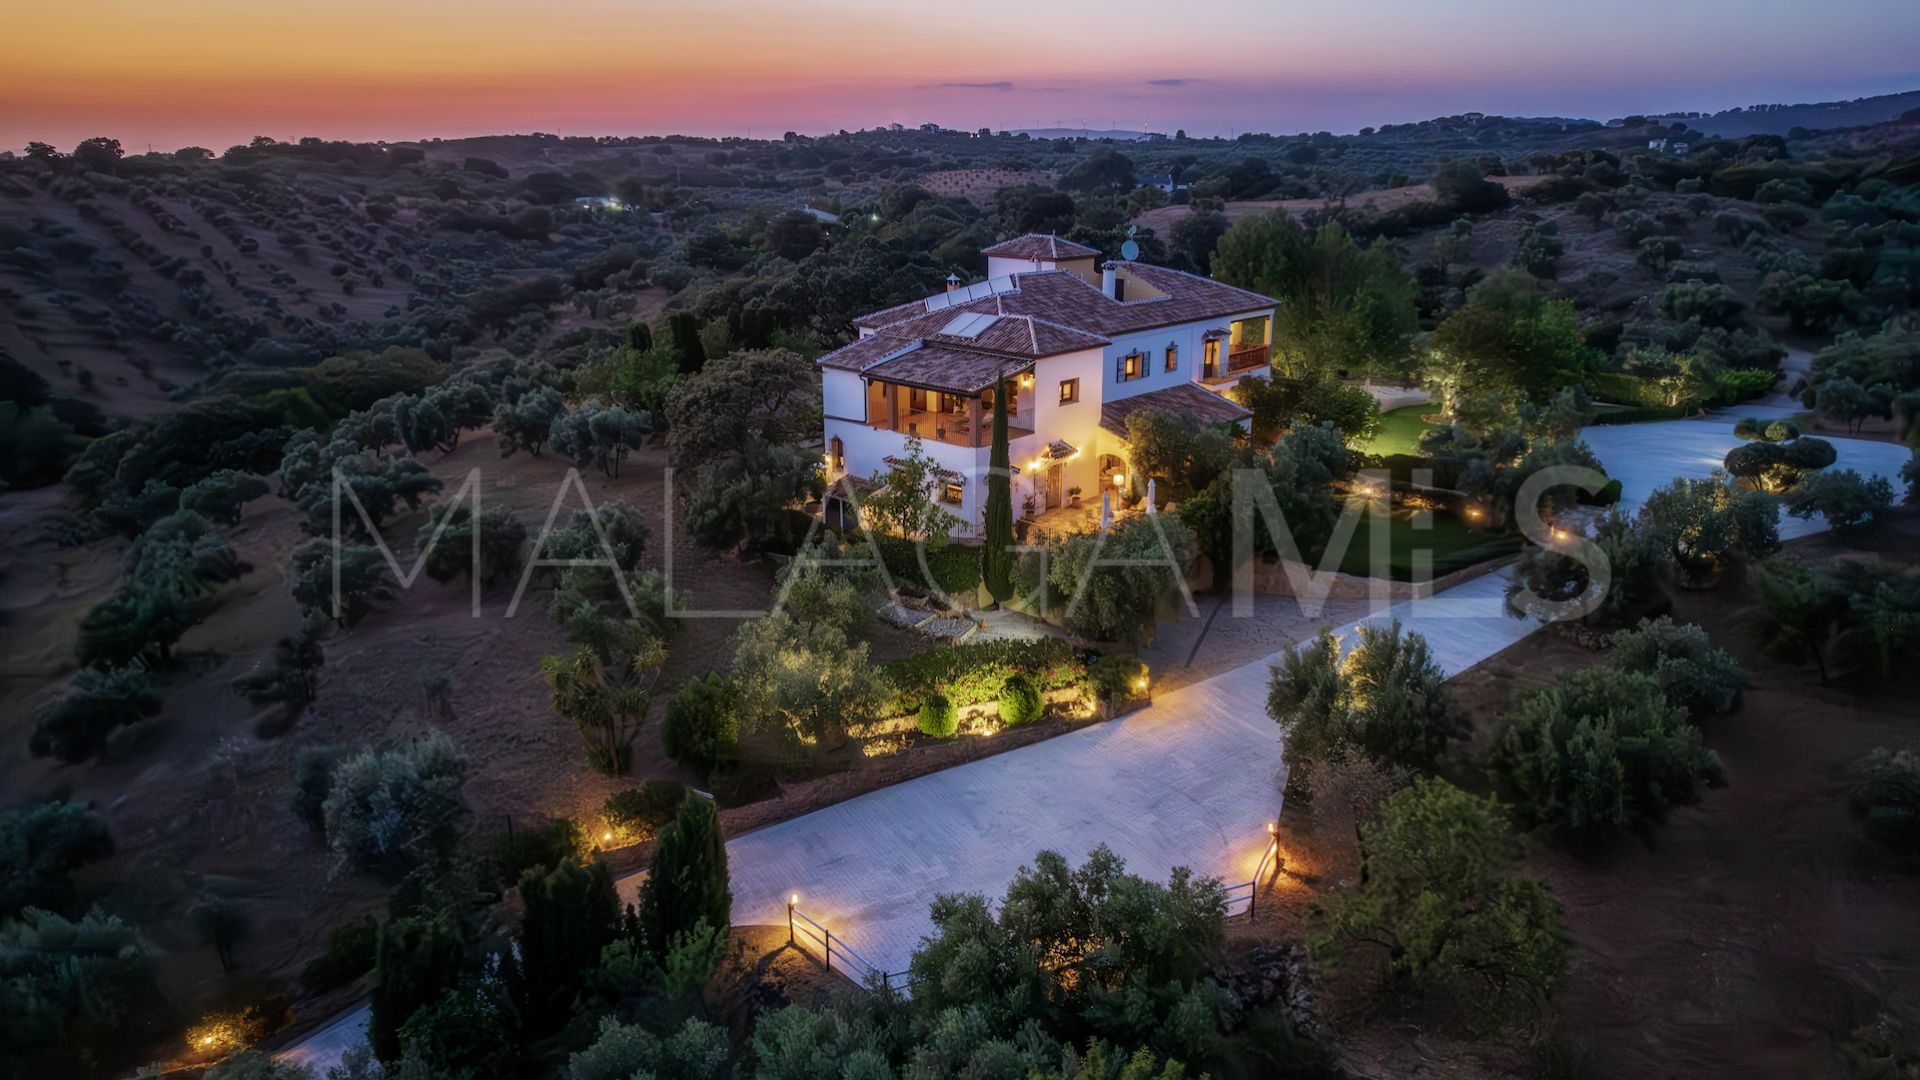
(1116, 134)
(1814, 116)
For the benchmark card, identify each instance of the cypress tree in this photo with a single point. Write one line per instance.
(415, 961)
(688, 879)
(572, 912)
(997, 568)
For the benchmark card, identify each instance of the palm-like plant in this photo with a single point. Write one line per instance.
(607, 702)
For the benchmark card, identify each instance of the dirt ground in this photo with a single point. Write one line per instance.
(1744, 936)
(196, 799)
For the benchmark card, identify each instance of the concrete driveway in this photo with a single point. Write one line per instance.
(1191, 780)
(1647, 457)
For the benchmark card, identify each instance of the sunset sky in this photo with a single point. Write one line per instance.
(215, 72)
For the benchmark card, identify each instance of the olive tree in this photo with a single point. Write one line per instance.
(1440, 909)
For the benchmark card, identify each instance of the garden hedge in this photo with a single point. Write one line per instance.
(973, 674)
(955, 568)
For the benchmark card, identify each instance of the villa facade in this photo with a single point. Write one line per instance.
(1081, 346)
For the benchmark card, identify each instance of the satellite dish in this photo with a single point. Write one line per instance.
(1129, 251)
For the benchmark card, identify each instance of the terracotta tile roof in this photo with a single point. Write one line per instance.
(1040, 246)
(1068, 300)
(1016, 335)
(864, 352)
(944, 367)
(1182, 398)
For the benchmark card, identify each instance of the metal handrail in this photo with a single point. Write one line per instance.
(801, 928)
(1269, 863)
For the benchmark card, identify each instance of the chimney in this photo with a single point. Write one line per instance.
(1110, 281)
(953, 282)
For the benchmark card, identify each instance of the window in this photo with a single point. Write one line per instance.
(1131, 366)
(1173, 356)
(951, 493)
(839, 452)
(1069, 391)
(1210, 358)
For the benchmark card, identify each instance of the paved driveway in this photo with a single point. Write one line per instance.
(1646, 457)
(1189, 781)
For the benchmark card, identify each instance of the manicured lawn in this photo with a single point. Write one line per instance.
(1399, 431)
(1452, 544)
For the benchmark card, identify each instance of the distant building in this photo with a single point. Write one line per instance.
(822, 216)
(1163, 181)
(1671, 146)
(599, 202)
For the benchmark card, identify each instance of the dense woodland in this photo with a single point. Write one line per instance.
(196, 344)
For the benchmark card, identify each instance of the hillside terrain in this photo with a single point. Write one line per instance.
(200, 351)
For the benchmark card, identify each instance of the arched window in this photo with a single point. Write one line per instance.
(1173, 355)
(839, 452)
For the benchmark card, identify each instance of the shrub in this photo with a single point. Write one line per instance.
(1704, 525)
(1439, 899)
(312, 783)
(951, 568)
(978, 673)
(1598, 751)
(1020, 701)
(349, 955)
(102, 701)
(1116, 679)
(390, 811)
(1386, 701)
(1690, 671)
(637, 814)
(938, 717)
(1886, 798)
(808, 684)
(513, 854)
(40, 847)
(1849, 502)
(1608, 495)
(702, 727)
(1115, 586)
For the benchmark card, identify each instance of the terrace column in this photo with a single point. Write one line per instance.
(893, 406)
(973, 419)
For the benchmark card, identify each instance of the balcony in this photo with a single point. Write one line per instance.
(1247, 357)
(955, 429)
(934, 416)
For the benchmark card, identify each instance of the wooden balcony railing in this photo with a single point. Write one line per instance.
(1243, 357)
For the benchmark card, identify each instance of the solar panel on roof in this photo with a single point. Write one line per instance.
(969, 324)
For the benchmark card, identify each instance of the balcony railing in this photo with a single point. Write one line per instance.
(1243, 357)
(952, 428)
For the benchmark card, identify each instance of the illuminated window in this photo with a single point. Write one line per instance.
(952, 494)
(1131, 366)
(1069, 391)
(839, 452)
(1173, 356)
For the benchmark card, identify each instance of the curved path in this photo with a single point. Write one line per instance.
(1191, 780)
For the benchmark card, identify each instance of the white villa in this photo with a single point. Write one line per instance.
(1081, 347)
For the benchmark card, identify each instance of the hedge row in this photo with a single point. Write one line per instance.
(973, 674)
(1644, 414)
(955, 568)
